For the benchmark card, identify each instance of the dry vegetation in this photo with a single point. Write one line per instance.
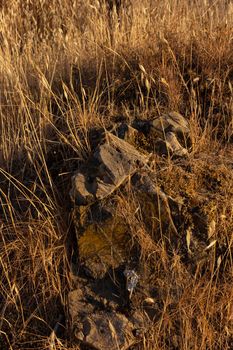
(67, 66)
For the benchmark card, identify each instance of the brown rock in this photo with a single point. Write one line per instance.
(156, 206)
(128, 133)
(103, 245)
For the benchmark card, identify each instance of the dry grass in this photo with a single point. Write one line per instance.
(66, 66)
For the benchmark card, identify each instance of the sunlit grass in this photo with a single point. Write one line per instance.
(66, 67)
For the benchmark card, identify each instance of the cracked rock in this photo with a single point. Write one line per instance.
(112, 163)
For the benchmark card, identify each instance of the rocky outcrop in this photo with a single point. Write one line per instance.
(118, 169)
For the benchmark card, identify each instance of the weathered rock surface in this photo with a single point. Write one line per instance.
(171, 122)
(168, 131)
(127, 133)
(118, 169)
(174, 146)
(156, 206)
(100, 327)
(106, 330)
(104, 239)
(113, 161)
(103, 245)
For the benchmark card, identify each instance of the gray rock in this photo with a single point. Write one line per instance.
(106, 331)
(100, 328)
(165, 132)
(104, 236)
(170, 122)
(115, 160)
(174, 146)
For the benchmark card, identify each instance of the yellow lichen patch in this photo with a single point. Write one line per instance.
(107, 241)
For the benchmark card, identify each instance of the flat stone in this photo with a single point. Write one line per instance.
(103, 245)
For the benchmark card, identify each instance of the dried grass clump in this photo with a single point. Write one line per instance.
(68, 66)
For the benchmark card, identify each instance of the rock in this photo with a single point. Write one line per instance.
(112, 163)
(168, 127)
(104, 234)
(104, 238)
(165, 133)
(127, 132)
(174, 146)
(78, 305)
(106, 331)
(103, 245)
(98, 327)
(170, 122)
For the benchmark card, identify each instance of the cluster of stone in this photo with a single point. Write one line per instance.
(119, 164)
